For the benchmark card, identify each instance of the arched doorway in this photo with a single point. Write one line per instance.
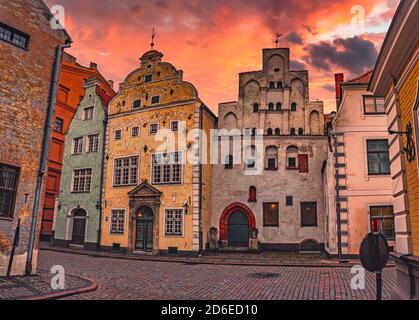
(144, 229)
(79, 227)
(238, 230)
(236, 224)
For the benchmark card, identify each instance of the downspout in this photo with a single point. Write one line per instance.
(102, 180)
(44, 152)
(338, 217)
(201, 108)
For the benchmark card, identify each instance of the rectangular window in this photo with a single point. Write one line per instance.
(88, 113)
(14, 36)
(118, 221)
(167, 169)
(309, 214)
(9, 177)
(126, 172)
(154, 128)
(303, 163)
(82, 180)
(136, 104)
(289, 201)
(378, 157)
(174, 222)
(94, 143)
(78, 145)
(272, 164)
(155, 100)
(135, 131)
(374, 105)
(148, 78)
(59, 125)
(383, 218)
(118, 134)
(174, 126)
(271, 214)
(292, 163)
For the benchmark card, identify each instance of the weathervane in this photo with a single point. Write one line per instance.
(278, 35)
(153, 35)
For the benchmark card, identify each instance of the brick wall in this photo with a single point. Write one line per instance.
(407, 96)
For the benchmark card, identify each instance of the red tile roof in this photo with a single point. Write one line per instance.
(365, 78)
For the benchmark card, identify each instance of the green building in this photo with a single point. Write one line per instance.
(78, 209)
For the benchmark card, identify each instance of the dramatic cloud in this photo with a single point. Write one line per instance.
(354, 54)
(212, 41)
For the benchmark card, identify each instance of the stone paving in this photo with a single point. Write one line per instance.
(146, 280)
(36, 286)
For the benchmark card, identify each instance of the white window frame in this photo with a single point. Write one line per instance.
(114, 134)
(158, 128)
(151, 100)
(181, 159)
(73, 146)
(132, 132)
(84, 113)
(178, 125)
(183, 222)
(73, 177)
(114, 171)
(111, 232)
(96, 149)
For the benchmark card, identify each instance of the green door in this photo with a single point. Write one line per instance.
(238, 230)
(144, 236)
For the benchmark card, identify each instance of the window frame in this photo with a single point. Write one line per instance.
(181, 232)
(118, 222)
(135, 134)
(171, 168)
(155, 103)
(120, 135)
(133, 104)
(95, 143)
(13, 32)
(171, 125)
(154, 124)
(88, 115)
(148, 76)
(316, 225)
(130, 167)
(382, 218)
(84, 185)
(57, 119)
(378, 152)
(364, 98)
(265, 224)
(12, 205)
(73, 149)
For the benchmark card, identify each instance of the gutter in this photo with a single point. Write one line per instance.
(45, 151)
(201, 112)
(102, 181)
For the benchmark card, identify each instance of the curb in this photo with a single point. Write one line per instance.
(185, 261)
(63, 294)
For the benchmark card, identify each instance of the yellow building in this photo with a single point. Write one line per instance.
(156, 201)
(396, 77)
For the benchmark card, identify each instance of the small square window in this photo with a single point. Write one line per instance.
(118, 134)
(155, 100)
(136, 104)
(289, 201)
(154, 128)
(148, 78)
(174, 126)
(88, 113)
(135, 131)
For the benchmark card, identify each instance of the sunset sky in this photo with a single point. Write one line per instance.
(213, 40)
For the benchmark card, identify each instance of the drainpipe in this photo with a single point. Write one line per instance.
(338, 217)
(200, 179)
(45, 150)
(102, 179)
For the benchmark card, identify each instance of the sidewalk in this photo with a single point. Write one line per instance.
(244, 259)
(38, 287)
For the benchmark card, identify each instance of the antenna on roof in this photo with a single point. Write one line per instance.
(153, 35)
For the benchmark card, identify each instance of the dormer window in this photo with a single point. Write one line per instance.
(148, 78)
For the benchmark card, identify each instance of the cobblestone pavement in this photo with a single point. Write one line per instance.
(145, 280)
(36, 286)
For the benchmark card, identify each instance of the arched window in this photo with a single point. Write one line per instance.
(271, 107)
(271, 158)
(292, 158)
(229, 162)
(292, 131)
(230, 121)
(270, 132)
(272, 85)
(277, 132)
(300, 131)
(278, 106)
(293, 107)
(255, 107)
(252, 194)
(279, 84)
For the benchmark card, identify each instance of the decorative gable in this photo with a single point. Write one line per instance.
(145, 190)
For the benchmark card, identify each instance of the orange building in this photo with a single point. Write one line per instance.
(69, 95)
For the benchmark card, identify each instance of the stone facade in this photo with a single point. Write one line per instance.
(152, 98)
(72, 200)
(26, 72)
(275, 101)
(396, 77)
(69, 94)
(351, 185)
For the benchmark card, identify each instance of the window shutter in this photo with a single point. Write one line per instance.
(303, 163)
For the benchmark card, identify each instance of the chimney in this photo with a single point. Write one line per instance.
(339, 79)
(111, 83)
(93, 66)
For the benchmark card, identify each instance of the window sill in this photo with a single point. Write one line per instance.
(271, 169)
(117, 233)
(167, 183)
(252, 200)
(316, 226)
(173, 236)
(292, 169)
(4, 218)
(80, 192)
(125, 185)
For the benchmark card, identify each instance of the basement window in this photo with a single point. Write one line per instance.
(14, 36)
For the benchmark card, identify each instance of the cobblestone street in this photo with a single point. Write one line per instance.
(144, 280)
